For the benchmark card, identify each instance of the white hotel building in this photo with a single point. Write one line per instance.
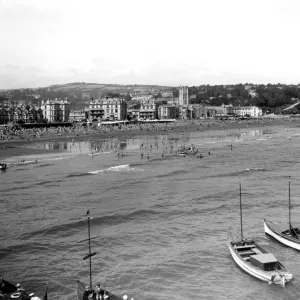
(108, 109)
(56, 110)
(252, 111)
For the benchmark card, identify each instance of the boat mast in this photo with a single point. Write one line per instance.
(90, 254)
(241, 212)
(290, 202)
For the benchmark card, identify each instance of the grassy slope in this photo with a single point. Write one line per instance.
(93, 87)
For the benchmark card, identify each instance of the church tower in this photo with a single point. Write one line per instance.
(183, 96)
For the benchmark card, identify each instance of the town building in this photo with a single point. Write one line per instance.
(198, 111)
(108, 109)
(133, 113)
(183, 96)
(148, 111)
(173, 101)
(185, 112)
(166, 94)
(4, 115)
(251, 111)
(14, 114)
(96, 110)
(56, 110)
(168, 112)
(141, 96)
(204, 111)
(78, 115)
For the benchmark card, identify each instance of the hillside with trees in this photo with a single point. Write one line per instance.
(270, 97)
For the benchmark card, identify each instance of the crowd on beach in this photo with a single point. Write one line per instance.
(95, 134)
(34, 134)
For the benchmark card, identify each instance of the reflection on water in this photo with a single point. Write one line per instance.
(115, 144)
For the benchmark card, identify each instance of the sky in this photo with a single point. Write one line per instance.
(163, 42)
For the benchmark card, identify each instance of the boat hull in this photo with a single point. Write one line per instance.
(267, 276)
(274, 230)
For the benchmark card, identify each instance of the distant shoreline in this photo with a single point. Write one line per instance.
(18, 147)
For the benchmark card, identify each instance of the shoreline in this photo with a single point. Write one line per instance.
(19, 147)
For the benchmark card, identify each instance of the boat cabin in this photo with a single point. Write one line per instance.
(265, 261)
(250, 253)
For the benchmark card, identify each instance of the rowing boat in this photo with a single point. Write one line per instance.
(255, 260)
(105, 294)
(86, 291)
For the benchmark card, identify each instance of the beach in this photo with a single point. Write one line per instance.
(30, 143)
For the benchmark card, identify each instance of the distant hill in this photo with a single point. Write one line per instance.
(78, 93)
(94, 88)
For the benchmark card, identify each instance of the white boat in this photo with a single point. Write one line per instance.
(283, 236)
(288, 237)
(255, 260)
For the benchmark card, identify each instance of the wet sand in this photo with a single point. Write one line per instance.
(19, 147)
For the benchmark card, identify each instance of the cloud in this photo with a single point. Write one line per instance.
(11, 67)
(194, 42)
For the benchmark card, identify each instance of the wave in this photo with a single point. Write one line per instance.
(107, 220)
(239, 173)
(26, 162)
(174, 173)
(47, 182)
(98, 153)
(120, 168)
(44, 165)
(256, 169)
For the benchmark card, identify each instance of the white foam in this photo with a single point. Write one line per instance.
(98, 153)
(120, 168)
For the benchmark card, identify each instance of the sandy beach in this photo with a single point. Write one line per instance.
(16, 146)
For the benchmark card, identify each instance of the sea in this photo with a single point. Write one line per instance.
(159, 222)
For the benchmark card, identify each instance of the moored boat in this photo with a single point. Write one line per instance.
(81, 288)
(289, 237)
(86, 291)
(258, 262)
(255, 260)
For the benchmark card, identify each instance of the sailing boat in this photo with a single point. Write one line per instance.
(289, 237)
(255, 260)
(86, 291)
